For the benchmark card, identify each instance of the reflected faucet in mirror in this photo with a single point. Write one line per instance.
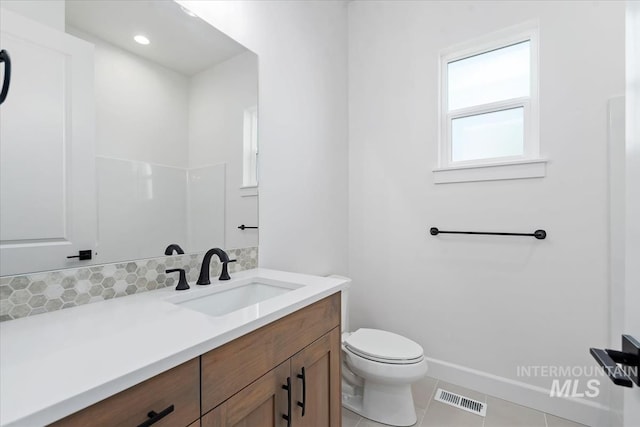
(204, 278)
(173, 248)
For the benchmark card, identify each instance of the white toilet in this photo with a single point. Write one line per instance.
(378, 368)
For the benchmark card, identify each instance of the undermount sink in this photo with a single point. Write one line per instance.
(236, 298)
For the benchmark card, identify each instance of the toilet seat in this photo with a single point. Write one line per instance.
(383, 347)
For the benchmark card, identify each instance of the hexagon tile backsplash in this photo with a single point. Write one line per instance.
(30, 294)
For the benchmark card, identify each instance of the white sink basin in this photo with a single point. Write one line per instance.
(226, 301)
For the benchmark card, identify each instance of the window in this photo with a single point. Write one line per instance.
(250, 148)
(489, 104)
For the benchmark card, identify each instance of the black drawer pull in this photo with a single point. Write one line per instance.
(288, 388)
(154, 416)
(302, 404)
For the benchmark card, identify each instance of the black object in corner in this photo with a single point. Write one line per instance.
(182, 282)
(629, 358)
(6, 59)
(173, 248)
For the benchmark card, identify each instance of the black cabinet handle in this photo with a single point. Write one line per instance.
(302, 404)
(154, 416)
(82, 255)
(4, 57)
(288, 388)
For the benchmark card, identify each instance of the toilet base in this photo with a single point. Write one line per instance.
(384, 403)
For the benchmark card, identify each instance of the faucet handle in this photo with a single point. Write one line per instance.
(224, 275)
(182, 282)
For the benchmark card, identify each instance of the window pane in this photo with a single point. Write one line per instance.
(489, 77)
(489, 135)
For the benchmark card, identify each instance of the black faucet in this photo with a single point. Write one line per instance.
(182, 283)
(173, 248)
(206, 265)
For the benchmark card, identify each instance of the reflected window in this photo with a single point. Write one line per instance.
(250, 147)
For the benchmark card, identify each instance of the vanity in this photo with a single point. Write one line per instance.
(274, 362)
(144, 162)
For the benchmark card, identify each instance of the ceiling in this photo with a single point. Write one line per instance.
(180, 42)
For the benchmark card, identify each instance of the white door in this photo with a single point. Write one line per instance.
(631, 408)
(47, 171)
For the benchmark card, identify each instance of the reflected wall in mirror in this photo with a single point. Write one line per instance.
(120, 147)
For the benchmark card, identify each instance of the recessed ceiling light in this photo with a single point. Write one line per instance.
(141, 39)
(188, 12)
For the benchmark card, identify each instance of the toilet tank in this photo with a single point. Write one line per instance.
(344, 320)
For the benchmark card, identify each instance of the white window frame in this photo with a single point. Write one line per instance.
(534, 166)
(250, 150)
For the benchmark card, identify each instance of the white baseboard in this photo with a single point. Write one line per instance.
(579, 410)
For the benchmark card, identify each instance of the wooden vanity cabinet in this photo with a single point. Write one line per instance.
(233, 376)
(319, 366)
(241, 383)
(267, 401)
(263, 403)
(177, 388)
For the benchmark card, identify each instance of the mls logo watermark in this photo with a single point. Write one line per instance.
(574, 388)
(571, 381)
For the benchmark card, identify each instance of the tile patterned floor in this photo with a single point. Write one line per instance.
(500, 413)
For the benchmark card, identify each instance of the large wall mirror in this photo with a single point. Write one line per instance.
(129, 126)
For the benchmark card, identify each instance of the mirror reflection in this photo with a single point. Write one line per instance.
(171, 154)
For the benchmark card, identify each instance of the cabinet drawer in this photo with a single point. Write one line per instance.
(228, 369)
(179, 387)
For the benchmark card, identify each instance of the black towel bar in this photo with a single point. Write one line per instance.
(243, 227)
(538, 234)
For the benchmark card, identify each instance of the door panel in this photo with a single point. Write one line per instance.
(321, 363)
(632, 197)
(48, 210)
(260, 404)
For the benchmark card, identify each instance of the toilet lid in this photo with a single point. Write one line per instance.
(384, 346)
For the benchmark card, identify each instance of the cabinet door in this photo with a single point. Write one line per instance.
(47, 170)
(261, 404)
(315, 372)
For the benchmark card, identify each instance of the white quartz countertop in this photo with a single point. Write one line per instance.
(54, 364)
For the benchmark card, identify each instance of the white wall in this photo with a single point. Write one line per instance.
(142, 208)
(486, 303)
(47, 12)
(142, 154)
(302, 126)
(142, 108)
(218, 98)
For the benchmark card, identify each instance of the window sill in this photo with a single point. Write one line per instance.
(248, 191)
(491, 172)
